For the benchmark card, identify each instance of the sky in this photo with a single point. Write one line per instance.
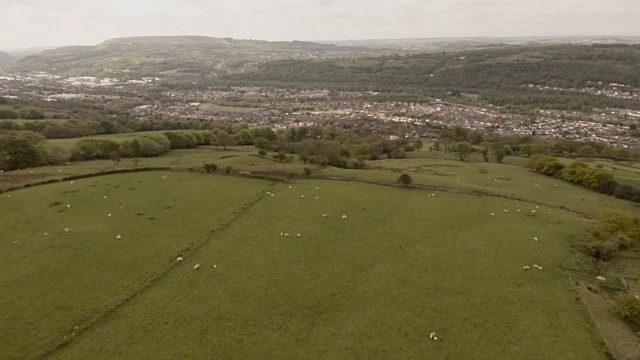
(37, 23)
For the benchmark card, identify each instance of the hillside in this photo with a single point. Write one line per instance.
(5, 58)
(500, 76)
(173, 55)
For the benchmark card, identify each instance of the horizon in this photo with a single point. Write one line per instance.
(49, 47)
(43, 23)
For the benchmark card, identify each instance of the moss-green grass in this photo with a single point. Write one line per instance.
(52, 283)
(229, 109)
(372, 286)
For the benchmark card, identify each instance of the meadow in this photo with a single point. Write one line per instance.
(405, 262)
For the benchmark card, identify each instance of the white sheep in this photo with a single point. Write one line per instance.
(535, 238)
(71, 182)
(66, 230)
(433, 336)
(505, 210)
(325, 215)
(196, 267)
(215, 266)
(492, 214)
(68, 206)
(46, 234)
(317, 198)
(179, 258)
(118, 237)
(272, 195)
(317, 188)
(105, 196)
(535, 266)
(268, 193)
(533, 211)
(526, 267)
(539, 267)
(298, 235)
(286, 235)
(344, 216)
(109, 215)
(302, 196)
(290, 186)
(281, 234)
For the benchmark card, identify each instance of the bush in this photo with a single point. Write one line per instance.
(628, 306)
(405, 179)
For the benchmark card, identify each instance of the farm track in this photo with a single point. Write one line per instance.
(147, 284)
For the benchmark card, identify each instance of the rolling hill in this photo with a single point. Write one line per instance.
(5, 58)
(173, 55)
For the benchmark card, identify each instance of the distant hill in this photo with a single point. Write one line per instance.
(174, 55)
(5, 58)
(505, 76)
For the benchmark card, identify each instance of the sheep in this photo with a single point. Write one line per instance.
(302, 196)
(433, 336)
(505, 210)
(539, 267)
(526, 267)
(492, 214)
(317, 188)
(9, 196)
(109, 215)
(164, 177)
(317, 198)
(179, 258)
(105, 197)
(298, 235)
(325, 215)
(66, 229)
(272, 195)
(281, 234)
(344, 216)
(215, 266)
(601, 278)
(533, 211)
(196, 267)
(268, 193)
(71, 182)
(118, 237)
(46, 234)
(535, 266)
(286, 235)
(535, 238)
(518, 210)
(68, 206)
(290, 187)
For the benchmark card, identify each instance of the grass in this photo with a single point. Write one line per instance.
(52, 283)
(375, 285)
(229, 109)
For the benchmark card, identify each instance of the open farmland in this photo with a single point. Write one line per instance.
(54, 280)
(376, 284)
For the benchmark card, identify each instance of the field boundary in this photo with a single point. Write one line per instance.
(149, 282)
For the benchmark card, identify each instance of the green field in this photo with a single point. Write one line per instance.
(374, 285)
(229, 109)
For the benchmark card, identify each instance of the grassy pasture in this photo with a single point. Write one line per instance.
(52, 283)
(229, 109)
(374, 285)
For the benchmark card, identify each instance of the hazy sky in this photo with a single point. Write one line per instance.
(29, 23)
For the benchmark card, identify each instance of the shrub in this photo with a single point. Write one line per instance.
(628, 306)
(405, 179)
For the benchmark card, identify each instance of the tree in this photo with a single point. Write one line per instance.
(115, 157)
(262, 152)
(210, 167)
(261, 143)
(227, 169)
(280, 156)
(463, 149)
(418, 144)
(17, 153)
(224, 140)
(587, 150)
(244, 137)
(307, 172)
(628, 307)
(484, 150)
(499, 151)
(405, 179)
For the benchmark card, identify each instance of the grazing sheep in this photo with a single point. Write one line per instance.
(109, 215)
(492, 214)
(505, 210)
(268, 193)
(526, 267)
(344, 216)
(66, 230)
(433, 336)
(298, 235)
(316, 198)
(317, 188)
(9, 195)
(68, 206)
(281, 234)
(325, 215)
(535, 238)
(215, 266)
(46, 234)
(164, 177)
(179, 258)
(533, 211)
(518, 210)
(71, 182)
(196, 267)
(302, 196)
(601, 278)
(539, 267)
(290, 186)
(272, 195)
(535, 266)
(118, 237)
(104, 197)
(286, 235)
